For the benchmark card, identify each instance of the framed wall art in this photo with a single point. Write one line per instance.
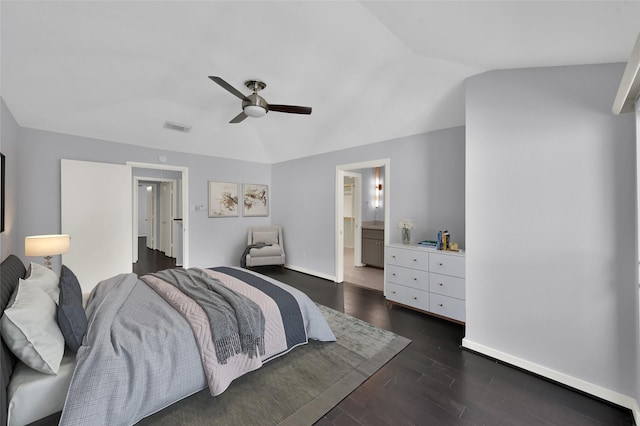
(255, 200)
(223, 199)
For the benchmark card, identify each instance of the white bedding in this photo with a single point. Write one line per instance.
(33, 395)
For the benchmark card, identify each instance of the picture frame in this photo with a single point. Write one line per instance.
(255, 200)
(223, 199)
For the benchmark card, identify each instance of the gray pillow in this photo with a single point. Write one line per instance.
(72, 319)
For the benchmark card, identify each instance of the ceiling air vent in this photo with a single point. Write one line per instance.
(177, 126)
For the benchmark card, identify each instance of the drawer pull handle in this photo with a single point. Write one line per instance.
(440, 284)
(394, 274)
(415, 298)
(393, 257)
(415, 260)
(415, 279)
(440, 264)
(394, 292)
(441, 305)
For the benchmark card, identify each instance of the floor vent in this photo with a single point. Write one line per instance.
(177, 126)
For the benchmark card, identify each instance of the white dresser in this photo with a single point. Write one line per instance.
(427, 280)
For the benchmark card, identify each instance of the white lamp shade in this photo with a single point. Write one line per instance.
(254, 111)
(46, 245)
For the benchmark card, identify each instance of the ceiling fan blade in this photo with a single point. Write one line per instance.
(290, 109)
(238, 118)
(228, 87)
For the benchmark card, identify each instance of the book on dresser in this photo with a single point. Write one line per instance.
(426, 279)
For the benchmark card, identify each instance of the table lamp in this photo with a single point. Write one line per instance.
(47, 246)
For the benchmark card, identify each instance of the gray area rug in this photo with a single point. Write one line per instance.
(297, 388)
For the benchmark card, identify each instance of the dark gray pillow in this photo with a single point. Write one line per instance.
(72, 319)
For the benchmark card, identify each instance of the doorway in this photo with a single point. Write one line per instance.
(170, 231)
(341, 172)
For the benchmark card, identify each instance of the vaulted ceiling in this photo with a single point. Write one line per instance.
(372, 71)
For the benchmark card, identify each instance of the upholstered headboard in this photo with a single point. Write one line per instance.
(11, 270)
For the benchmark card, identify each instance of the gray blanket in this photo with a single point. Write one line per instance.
(243, 258)
(140, 355)
(237, 323)
(135, 359)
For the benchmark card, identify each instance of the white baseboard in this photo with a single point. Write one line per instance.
(579, 384)
(310, 272)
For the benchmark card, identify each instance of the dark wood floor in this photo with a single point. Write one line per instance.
(433, 381)
(151, 260)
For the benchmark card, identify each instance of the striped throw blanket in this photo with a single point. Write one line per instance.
(237, 323)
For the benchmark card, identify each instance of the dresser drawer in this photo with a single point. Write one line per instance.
(446, 264)
(447, 307)
(408, 258)
(408, 296)
(407, 276)
(446, 285)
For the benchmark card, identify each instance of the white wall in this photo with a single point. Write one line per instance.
(427, 185)
(369, 210)
(9, 140)
(142, 210)
(550, 226)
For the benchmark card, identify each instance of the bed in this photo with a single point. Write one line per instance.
(153, 340)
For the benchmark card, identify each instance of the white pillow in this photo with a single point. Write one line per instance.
(44, 278)
(30, 329)
(267, 237)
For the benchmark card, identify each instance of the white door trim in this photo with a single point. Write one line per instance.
(136, 207)
(357, 214)
(185, 203)
(339, 207)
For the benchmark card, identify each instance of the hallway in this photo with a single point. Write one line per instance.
(363, 276)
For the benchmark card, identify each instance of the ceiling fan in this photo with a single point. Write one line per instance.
(254, 105)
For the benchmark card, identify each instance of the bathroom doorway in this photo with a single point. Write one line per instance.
(349, 267)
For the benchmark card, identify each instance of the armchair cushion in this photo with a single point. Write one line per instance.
(272, 250)
(267, 237)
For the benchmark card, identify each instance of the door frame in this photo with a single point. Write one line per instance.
(151, 215)
(357, 214)
(172, 215)
(136, 211)
(185, 204)
(339, 207)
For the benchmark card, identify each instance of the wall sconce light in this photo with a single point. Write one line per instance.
(47, 246)
(378, 187)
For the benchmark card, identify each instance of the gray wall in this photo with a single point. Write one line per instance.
(426, 185)
(429, 188)
(9, 140)
(637, 315)
(551, 220)
(213, 241)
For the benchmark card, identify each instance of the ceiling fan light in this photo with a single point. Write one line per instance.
(254, 111)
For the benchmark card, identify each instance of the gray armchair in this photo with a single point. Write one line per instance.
(272, 254)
